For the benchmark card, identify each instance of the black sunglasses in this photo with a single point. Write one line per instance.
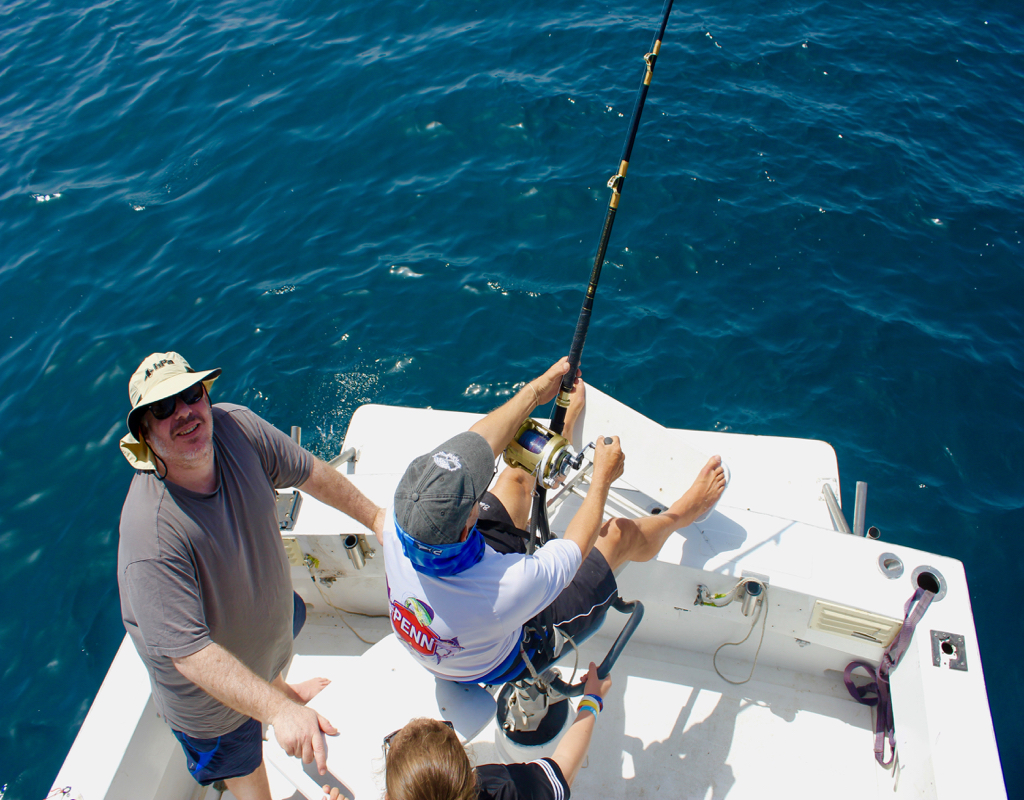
(393, 734)
(162, 409)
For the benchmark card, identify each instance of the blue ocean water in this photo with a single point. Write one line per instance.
(820, 236)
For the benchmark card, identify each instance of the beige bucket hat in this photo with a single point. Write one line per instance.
(159, 375)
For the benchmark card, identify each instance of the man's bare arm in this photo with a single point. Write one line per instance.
(585, 526)
(220, 674)
(329, 486)
(501, 425)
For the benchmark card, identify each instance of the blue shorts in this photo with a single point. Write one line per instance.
(240, 752)
(229, 756)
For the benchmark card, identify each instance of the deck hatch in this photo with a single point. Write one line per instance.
(853, 623)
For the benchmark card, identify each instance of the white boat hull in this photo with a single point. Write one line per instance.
(672, 726)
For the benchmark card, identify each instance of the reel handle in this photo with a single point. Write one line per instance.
(635, 609)
(576, 461)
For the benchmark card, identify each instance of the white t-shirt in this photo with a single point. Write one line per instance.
(463, 626)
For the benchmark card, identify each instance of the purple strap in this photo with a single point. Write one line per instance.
(879, 686)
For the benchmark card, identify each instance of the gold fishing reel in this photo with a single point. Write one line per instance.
(546, 455)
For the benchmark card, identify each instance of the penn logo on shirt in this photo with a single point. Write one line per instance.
(448, 461)
(411, 622)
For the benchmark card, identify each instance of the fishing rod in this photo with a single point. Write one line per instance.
(552, 457)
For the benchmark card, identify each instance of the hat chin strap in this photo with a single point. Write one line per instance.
(157, 471)
(157, 461)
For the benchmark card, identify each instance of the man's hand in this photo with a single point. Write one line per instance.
(299, 729)
(300, 732)
(609, 463)
(501, 425)
(547, 384)
(609, 460)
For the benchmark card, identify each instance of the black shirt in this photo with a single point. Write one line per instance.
(538, 780)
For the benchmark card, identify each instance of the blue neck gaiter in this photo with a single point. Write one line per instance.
(442, 560)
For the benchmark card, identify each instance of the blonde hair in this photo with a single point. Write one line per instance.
(426, 761)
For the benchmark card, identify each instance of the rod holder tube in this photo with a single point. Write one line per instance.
(343, 457)
(355, 552)
(838, 520)
(860, 504)
(752, 593)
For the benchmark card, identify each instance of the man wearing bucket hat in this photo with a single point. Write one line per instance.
(466, 600)
(205, 584)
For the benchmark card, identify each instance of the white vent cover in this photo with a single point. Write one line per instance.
(854, 623)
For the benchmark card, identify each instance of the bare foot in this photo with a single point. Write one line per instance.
(701, 497)
(623, 540)
(577, 401)
(307, 690)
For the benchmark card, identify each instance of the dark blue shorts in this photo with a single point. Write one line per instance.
(229, 756)
(240, 752)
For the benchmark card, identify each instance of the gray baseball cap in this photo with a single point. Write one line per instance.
(438, 491)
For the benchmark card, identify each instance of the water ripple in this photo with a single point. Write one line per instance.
(820, 236)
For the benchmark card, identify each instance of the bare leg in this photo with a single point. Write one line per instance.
(514, 487)
(301, 692)
(623, 540)
(253, 786)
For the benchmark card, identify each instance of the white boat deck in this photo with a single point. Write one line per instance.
(671, 726)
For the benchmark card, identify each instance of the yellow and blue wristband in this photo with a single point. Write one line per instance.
(591, 703)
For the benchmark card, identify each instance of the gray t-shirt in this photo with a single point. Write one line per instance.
(194, 569)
